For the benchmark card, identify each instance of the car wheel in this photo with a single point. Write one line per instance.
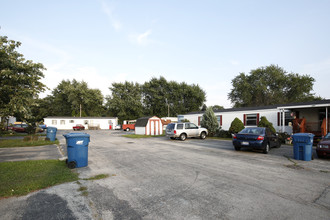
(266, 149)
(127, 129)
(72, 164)
(237, 148)
(203, 135)
(74, 129)
(183, 137)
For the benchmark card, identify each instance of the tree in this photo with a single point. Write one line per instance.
(125, 101)
(270, 85)
(265, 123)
(236, 126)
(69, 97)
(217, 107)
(159, 96)
(20, 81)
(209, 121)
(204, 107)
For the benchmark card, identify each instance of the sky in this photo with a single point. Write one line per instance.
(206, 42)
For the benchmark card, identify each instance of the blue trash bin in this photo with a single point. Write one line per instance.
(51, 133)
(77, 148)
(303, 146)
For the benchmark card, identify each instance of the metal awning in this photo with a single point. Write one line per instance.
(314, 105)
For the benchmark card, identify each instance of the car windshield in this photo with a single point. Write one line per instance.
(327, 136)
(252, 131)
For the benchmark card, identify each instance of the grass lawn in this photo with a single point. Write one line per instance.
(141, 136)
(22, 143)
(20, 135)
(23, 177)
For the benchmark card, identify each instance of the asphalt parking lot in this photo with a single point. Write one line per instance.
(159, 178)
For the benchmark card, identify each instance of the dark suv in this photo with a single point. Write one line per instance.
(185, 130)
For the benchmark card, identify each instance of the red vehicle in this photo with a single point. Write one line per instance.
(323, 147)
(130, 125)
(19, 127)
(78, 127)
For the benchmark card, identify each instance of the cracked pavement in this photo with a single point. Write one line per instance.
(159, 178)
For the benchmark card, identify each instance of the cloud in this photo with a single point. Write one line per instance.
(109, 12)
(141, 39)
(234, 62)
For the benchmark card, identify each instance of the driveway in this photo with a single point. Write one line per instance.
(158, 178)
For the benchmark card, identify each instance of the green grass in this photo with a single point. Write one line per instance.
(23, 177)
(142, 136)
(22, 143)
(20, 135)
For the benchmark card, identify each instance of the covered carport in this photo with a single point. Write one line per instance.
(311, 117)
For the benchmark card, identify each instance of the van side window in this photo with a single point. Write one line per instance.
(179, 126)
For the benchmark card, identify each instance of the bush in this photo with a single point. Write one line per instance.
(185, 120)
(265, 123)
(236, 126)
(209, 121)
(223, 133)
(283, 136)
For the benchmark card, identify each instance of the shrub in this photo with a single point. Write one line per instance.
(265, 123)
(185, 120)
(209, 121)
(223, 133)
(236, 126)
(283, 136)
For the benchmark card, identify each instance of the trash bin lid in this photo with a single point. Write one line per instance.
(51, 128)
(309, 135)
(76, 135)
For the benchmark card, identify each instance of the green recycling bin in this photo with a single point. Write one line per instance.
(51, 133)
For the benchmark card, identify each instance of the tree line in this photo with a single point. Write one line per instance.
(20, 86)
(128, 100)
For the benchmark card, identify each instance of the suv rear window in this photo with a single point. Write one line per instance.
(179, 126)
(170, 126)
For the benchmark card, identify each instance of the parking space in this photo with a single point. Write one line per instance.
(159, 178)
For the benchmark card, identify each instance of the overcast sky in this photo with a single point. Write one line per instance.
(200, 42)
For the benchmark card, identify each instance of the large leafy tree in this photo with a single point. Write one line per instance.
(269, 86)
(163, 98)
(70, 96)
(125, 101)
(19, 81)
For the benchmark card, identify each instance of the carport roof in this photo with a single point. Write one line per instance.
(318, 103)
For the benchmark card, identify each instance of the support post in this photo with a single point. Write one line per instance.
(326, 120)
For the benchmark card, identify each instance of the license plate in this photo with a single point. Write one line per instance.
(245, 143)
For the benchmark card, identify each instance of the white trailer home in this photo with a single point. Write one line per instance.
(291, 118)
(66, 123)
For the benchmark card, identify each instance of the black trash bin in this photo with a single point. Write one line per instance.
(77, 148)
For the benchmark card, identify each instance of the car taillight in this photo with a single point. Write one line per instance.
(260, 138)
(174, 131)
(234, 136)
